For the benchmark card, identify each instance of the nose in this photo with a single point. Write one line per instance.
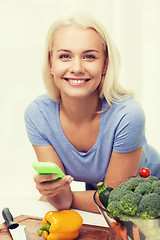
(77, 66)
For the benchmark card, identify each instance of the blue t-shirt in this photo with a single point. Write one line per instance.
(121, 130)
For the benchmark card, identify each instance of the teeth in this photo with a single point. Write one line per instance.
(76, 81)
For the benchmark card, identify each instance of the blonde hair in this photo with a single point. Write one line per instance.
(109, 87)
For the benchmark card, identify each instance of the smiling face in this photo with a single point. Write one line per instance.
(77, 61)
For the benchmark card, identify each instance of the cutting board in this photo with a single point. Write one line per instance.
(87, 232)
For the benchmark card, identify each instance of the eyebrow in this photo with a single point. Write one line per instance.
(86, 51)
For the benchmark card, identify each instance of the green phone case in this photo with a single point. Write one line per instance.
(48, 168)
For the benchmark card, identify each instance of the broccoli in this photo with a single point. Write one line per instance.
(116, 194)
(131, 184)
(144, 188)
(113, 208)
(156, 185)
(151, 179)
(149, 206)
(129, 203)
(138, 197)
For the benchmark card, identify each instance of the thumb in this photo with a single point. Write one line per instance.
(68, 179)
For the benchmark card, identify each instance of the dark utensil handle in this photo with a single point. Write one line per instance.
(9, 219)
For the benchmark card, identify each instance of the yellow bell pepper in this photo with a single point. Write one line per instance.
(61, 225)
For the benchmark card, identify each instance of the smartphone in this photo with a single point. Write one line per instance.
(48, 168)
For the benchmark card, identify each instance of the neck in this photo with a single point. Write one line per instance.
(79, 110)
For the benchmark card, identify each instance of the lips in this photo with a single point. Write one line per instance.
(77, 80)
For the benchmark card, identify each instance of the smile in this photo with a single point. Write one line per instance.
(77, 81)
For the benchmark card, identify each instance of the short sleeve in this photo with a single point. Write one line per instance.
(130, 130)
(34, 122)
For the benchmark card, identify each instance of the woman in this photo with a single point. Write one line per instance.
(88, 124)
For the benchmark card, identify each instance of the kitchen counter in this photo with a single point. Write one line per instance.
(23, 206)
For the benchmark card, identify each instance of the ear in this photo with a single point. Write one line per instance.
(50, 61)
(105, 66)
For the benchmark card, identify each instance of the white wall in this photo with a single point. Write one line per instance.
(134, 26)
(151, 70)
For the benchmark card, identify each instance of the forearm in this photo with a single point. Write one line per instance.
(62, 200)
(83, 200)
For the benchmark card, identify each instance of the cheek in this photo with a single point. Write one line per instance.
(96, 70)
(58, 69)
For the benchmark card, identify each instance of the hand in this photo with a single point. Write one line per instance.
(49, 188)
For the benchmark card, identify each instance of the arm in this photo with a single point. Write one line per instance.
(58, 193)
(121, 166)
(63, 198)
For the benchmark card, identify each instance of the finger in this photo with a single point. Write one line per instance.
(52, 185)
(49, 192)
(38, 178)
(68, 179)
(50, 195)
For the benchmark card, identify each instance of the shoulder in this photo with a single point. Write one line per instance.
(42, 107)
(130, 118)
(129, 126)
(40, 104)
(130, 109)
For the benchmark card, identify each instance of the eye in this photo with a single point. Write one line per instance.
(64, 56)
(89, 56)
